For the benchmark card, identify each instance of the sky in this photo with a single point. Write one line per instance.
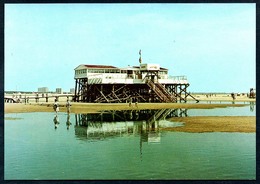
(214, 45)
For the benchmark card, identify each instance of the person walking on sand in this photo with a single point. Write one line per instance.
(68, 106)
(233, 96)
(136, 104)
(56, 106)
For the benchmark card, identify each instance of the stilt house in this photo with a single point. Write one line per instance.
(144, 83)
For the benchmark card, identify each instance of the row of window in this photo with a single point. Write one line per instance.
(82, 71)
(97, 71)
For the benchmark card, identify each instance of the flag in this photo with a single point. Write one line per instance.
(140, 59)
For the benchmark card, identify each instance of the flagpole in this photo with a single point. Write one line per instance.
(140, 53)
(140, 61)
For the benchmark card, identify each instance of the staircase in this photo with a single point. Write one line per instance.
(161, 91)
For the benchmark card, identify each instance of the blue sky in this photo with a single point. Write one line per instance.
(212, 44)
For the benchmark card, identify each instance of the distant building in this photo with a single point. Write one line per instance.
(43, 90)
(72, 90)
(59, 90)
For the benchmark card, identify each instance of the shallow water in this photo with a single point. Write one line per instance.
(248, 110)
(123, 145)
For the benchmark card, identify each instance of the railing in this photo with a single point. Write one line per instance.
(156, 90)
(160, 90)
(182, 77)
(95, 76)
(166, 92)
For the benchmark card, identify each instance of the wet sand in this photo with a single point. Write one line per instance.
(95, 107)
(201, 124)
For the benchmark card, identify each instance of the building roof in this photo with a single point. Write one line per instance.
(100, 66)
(130, 68)
(83, 66)
(161, 68)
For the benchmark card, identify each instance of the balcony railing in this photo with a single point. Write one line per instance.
(182, 77)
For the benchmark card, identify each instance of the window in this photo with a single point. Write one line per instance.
(123, 71)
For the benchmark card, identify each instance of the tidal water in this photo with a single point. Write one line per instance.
(124, 145)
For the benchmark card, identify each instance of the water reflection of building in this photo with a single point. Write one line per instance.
(116, 123)
(109, 124)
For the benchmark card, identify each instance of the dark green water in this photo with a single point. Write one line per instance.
(123, 146)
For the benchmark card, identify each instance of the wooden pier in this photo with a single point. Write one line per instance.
(36, 98)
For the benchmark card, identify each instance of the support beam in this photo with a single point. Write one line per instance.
(114, 93)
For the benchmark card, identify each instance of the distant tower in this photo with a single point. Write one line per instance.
(140, 58)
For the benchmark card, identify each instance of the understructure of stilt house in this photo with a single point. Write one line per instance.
(144, 83)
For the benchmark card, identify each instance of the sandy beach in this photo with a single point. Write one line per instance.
(224, 100)
(95, 107)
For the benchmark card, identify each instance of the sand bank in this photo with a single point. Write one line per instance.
(201, 124)
(95, 107)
